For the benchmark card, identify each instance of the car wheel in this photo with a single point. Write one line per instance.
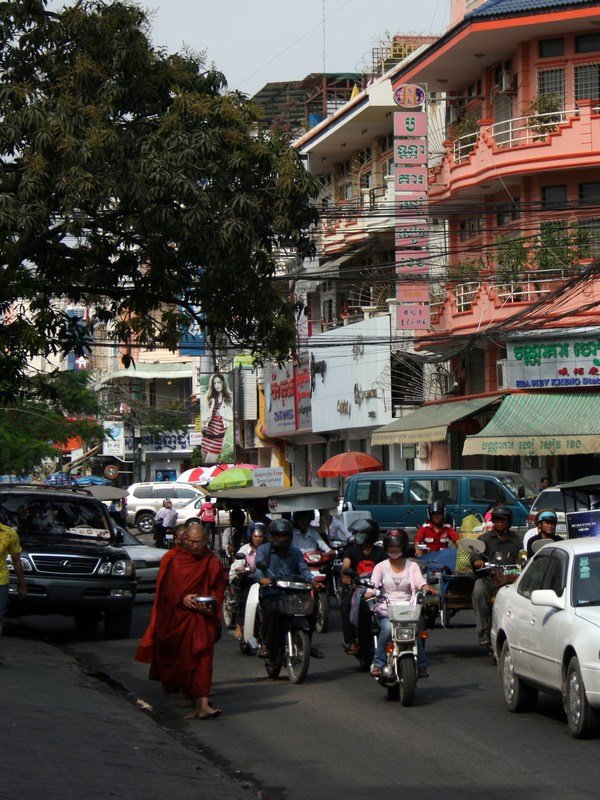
(517, 695)
(581, 717)
(117, 624)
(144, 522)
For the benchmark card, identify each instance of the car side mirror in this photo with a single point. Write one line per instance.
(521, 492)
(119, 535)
(547, 597)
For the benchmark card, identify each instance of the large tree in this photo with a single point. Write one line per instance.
(134, 183)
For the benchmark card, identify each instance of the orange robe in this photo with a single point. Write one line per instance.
(183, 640)
(144, 651)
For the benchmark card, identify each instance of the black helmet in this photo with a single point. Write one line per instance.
(398, 537)
(258, 527)
(281, 533)
(502, 512)
(437, 507)
(365, 531)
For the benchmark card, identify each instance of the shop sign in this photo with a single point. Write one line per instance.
(410, 123)
(556, 363)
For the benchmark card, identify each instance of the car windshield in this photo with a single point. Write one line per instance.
(519, 487)
(586, 580)
(129, 540)
(54, 516)
(549, 498)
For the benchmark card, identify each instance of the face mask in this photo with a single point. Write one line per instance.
(360, 538)
(394, 556)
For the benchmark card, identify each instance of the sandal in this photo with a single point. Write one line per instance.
(352, 648)
(376, 671)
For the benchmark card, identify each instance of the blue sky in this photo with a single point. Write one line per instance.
(257, 41)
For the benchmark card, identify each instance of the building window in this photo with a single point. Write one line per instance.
(508, 212)
(587, 43)
(589, 194)
(587, 82)
(551, 47)
(554, 197)
(463, 231)
(589, 237)
(551, 81)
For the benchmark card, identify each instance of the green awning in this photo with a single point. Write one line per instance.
(429, 423)
(542, 425)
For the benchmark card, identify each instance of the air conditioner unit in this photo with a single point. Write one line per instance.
(505, 82)
(449, 384)
(501, 374)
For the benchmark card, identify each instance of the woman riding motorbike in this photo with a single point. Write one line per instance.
(241, 570)
(399, 579)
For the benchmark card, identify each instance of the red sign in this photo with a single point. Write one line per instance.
(410, 151)
(410, 292)
(412, 262)
(413, 317)
(410, 123)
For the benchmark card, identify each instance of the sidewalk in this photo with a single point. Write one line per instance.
(65, 735)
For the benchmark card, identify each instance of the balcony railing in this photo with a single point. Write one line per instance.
(526, 289)
(464, 294)
(516, 132)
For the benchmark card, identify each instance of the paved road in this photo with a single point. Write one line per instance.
(337, 736)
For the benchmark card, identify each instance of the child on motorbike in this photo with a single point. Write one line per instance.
(399, 579)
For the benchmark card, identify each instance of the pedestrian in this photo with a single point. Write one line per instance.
(165, 519)
(187, 627)
(208, 515)
(144, 650)
(9, 546)
(544, 483)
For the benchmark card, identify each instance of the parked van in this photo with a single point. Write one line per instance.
(401, 499)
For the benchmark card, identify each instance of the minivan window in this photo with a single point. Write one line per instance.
(424, 491)
(143, 492)
(518, 487)
(186, 493)
(484, 491)
(392, 491)
(378, 492)
(164, 491)
(366, 491)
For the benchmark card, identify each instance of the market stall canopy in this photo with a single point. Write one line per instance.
(541, 424)
(429, 423)
(350, 463)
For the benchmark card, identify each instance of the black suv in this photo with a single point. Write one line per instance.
(71, 557)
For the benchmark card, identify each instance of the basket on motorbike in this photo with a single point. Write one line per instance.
(296, 601)
(504, 577)
(404, 612)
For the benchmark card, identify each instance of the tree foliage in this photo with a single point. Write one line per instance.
(133, 182)
(61, 407)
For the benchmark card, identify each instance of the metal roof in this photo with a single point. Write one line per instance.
(493, 7)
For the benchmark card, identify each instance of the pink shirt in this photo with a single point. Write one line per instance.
(400, 587)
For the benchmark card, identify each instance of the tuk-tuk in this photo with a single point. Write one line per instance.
(581, 501)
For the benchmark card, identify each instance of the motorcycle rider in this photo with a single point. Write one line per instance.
(306, 536)
(436, 533)
(280, 560)
(165, 520)
(400, 579)
(241, 571)
(545, 528)
(361, 557)
(503, 547)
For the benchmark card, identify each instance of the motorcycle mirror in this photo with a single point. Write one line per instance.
(261, 565)
(239, 556)
(349, 572)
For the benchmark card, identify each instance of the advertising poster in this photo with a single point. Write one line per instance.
(216, 416)
(583, 523)
(114, 443)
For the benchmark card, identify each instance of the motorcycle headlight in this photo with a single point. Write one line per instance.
(25, 563)
(314, 557)
(404, 634)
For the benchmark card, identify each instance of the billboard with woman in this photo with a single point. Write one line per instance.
(216, 413)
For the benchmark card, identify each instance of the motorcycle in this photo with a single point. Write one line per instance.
(293, 604)
(163, 537)
(365, 624)
(399, 674)
(333, 573)
(318, 564)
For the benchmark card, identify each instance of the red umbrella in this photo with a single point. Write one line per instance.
(349, 463)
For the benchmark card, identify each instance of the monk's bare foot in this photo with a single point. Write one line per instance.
(193, 714)
(211, 714)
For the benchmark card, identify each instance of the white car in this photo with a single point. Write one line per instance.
(146, 559)
(546, 632)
